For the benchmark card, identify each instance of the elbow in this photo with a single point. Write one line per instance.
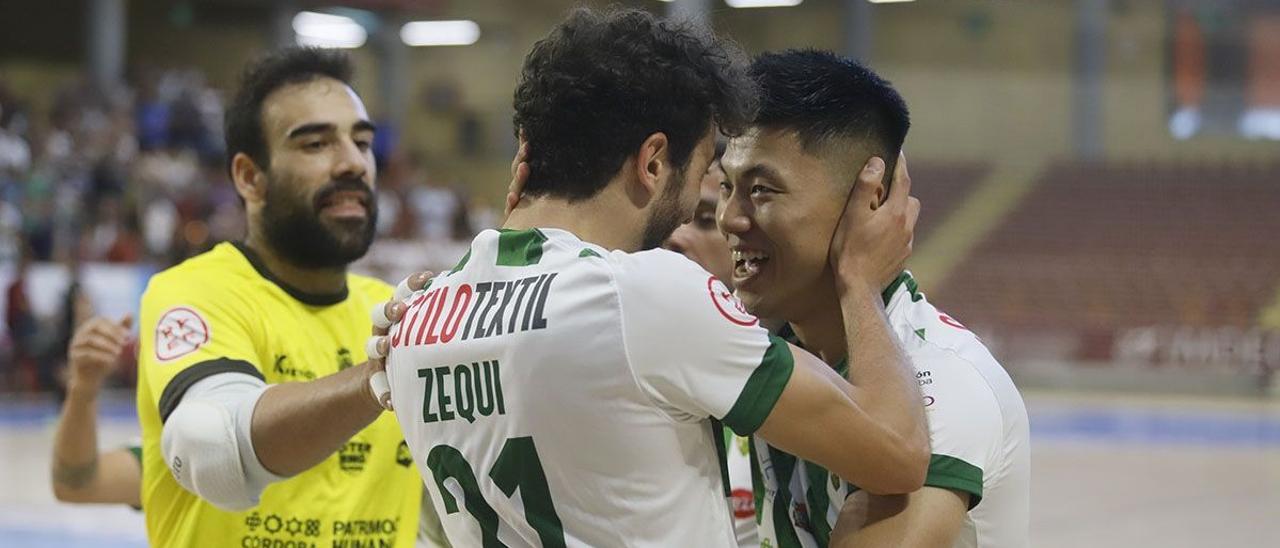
(64, 493)
(199, 446)
(905, 472)
(899, 483)
(74, 483)
(915, 472)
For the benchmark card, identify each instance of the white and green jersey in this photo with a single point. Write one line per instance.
(977, 427)
(554, 393)
(742, 502)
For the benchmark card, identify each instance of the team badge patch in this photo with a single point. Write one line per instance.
(728, 304)
(179, 332)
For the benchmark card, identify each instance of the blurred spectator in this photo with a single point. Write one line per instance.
(440, 208)
(20, 320)
(15, 154)
(137, 175)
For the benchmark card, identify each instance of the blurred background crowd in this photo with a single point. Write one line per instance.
(130, 179)
(1099, 181)
(1097, 175)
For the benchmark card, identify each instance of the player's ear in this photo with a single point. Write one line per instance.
(250, 180)
(652, 161)
(870, 187)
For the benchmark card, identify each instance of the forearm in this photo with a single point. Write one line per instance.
(75, 447)
(883, 379)
(928, 518)
(297, 425)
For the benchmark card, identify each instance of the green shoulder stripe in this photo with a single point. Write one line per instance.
(762, 390)
(588, 252)
(520, 247)
(952, 473)
(462, 262)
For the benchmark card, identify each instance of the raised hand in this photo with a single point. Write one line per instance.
(95, 351)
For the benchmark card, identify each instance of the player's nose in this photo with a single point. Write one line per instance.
(350, 163)
(732, 217)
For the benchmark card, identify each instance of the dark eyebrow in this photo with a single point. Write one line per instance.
(324, 127)
(763, 171)
(307, 129)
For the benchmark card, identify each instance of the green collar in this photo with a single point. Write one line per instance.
(904, 278)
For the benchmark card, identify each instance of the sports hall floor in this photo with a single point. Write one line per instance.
(1108, 471)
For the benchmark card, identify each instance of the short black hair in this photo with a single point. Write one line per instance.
(602, 81)
(824, 97)
(295, 65)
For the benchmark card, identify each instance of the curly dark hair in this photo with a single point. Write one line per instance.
(603, 81)
(243, 122)
(822, 96)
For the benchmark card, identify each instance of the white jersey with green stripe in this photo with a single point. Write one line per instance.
(554, 393)
(977, 427)
(742, 501)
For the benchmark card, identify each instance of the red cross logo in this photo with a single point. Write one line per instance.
(179, 332)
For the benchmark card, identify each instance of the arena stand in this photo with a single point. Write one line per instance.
(1147, 265)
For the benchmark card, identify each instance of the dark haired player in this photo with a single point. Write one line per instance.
(258, 428)
(821, 118)
(564, 383)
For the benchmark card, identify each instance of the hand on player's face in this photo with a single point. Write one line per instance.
(95, 350)
(873, 240)
(385, 316)
(778, 208)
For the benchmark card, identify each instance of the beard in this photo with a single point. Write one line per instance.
(295, 231)
(668, 214)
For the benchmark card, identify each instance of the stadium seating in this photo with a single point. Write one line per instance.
(941, 186)
(1107, 246)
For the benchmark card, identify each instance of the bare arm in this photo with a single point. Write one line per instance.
(868, 428)
(932, 517)
(299, 424)
(80, 473)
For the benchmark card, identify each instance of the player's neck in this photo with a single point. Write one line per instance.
(822, 332)
(599, 220)
(316, 281)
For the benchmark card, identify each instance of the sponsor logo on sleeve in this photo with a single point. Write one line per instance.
(728, 304)
(180, 331)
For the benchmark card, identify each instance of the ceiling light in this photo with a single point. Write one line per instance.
(440, 33)
(762, 3)
(328, 31)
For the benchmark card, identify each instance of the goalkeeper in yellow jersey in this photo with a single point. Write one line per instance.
(258, 424)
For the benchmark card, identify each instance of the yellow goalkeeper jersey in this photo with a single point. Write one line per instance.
(223, 311)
